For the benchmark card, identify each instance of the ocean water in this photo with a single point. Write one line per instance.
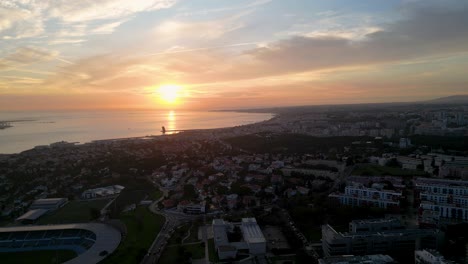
(31, 129)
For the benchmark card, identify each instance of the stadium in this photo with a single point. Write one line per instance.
(91, 242)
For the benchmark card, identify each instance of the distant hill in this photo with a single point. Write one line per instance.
(454, 99)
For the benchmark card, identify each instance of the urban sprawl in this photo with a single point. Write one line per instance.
(328, 184)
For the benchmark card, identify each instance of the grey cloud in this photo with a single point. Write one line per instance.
(427, 31)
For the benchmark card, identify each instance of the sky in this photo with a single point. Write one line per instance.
(229, 54)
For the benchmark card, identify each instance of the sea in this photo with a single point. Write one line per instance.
(30, 129)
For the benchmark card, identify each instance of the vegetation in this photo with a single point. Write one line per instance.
(155, 195)
(444, 142)
(75, 212)
(291, 143)
(212, 251)
(179, 234)
(37, 257)
(189, 192)
(142, 228)
(182, 254)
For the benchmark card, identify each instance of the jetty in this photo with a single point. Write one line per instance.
(5, 124)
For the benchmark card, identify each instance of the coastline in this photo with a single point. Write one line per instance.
(196, 132)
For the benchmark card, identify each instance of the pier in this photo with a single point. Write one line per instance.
(5, 124)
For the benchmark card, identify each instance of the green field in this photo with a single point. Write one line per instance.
(142, 228)
(176, 253)
(73, 212)
(193, 234)
(376, 170)
(37, 257)
(179, 234)
(213, 256)
(156, 195)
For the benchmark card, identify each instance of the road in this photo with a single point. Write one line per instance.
(173, 220)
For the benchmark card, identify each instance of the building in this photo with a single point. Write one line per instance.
(31, 216)
(375, 225)
(253, 236)
(428, 256)
(252, 239)
(102, 192)
(49, 204)
(409, 163)
(378, 237)
(367, 259)
(443, 198)
(357, 194)
(405, 143)
(231, 200)
(192, 208)
(454, 169)
(91, 242)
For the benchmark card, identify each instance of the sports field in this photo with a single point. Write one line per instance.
(73, 212)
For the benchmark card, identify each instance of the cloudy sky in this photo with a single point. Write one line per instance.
(229, 53)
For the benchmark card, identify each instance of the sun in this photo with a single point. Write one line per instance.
(169, 93)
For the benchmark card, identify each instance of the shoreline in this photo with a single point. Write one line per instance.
(178, 132)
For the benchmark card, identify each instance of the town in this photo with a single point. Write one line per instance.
(344, 184)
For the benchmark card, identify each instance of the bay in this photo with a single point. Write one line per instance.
(30, 129)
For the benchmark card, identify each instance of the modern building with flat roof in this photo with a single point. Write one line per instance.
(428, 256)
(378, 238)
(102, 192)
(367, 259)
(356, 194)
(31, 216)
(92, 242)
(49, 204)
(252, 240)
(443, 199)
(253, 235)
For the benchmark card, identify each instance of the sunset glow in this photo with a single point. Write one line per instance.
(229, 54)
(169, 93)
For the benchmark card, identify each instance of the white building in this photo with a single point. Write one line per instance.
(102, 192)
(49, 204)
(428, 256)
(443, 198)
(357, 194)
(396, 241)
(253, 236)
(252, 240)
(409, 163)
(405, 143)
(367, 259)
(192, 208)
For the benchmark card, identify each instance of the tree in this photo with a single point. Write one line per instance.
(189, 192)
(94, 213)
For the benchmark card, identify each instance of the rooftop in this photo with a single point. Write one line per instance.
(32, 214)
(368, 259)
(49, 201)
(251, 231)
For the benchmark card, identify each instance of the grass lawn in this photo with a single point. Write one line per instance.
(313, 233)
(73, 212)
(376, 170)
(212, 251)
(142, 228)
(37, 257)
(174, 253)
(193, 234)
(179, 234)
(282, 259)
(197, 250)
(156, 195)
